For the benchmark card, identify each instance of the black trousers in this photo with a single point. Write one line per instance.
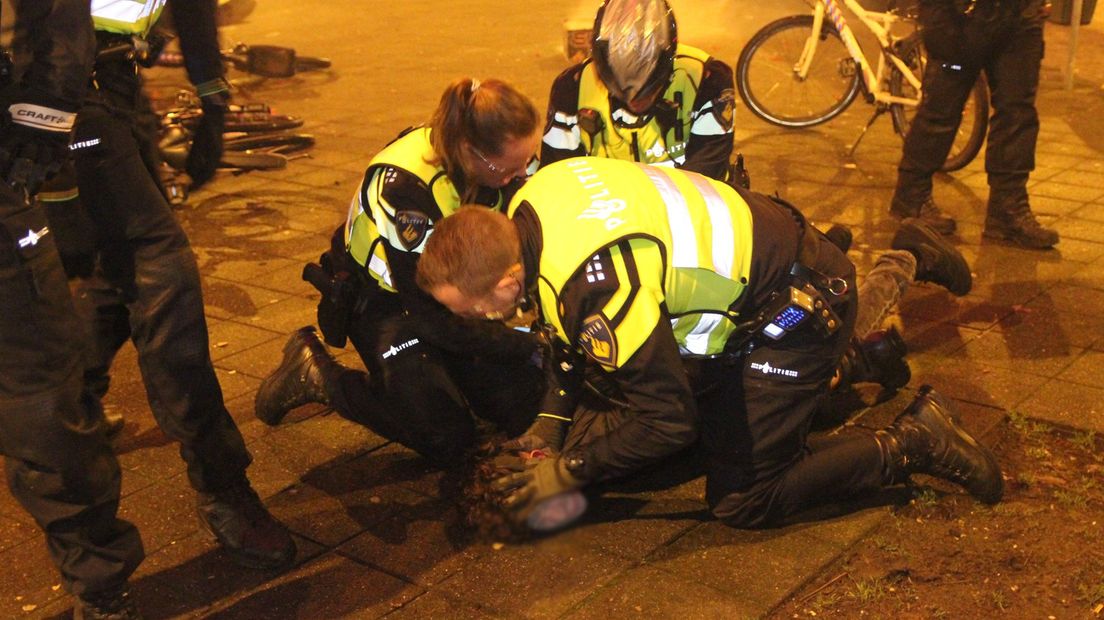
(756, 411)
(1010, 56)
(427, 398)
(59, 465)
(146, 287)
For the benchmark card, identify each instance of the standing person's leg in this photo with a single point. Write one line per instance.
(1013, 73)
(929, 140)
(59, 465)
(146, 255)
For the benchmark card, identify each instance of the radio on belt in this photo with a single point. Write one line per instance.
(790, 312)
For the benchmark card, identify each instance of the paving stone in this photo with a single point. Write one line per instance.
(1073, 405)
(757, 566)
(649, 593)
(536, 580)
(329, 587)
(436, 604)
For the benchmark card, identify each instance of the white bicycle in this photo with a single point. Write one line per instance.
(803, 70)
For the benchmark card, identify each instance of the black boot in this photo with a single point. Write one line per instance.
(878, 358)
(1013, 221)
(937, 261)
(926, 211)
(840, 236)
(300, 378)
(115, 604)
(925, 439)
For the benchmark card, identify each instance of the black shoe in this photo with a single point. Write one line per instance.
(937, 260)
(297, 381)
(110, 605)
(245, 529)
(1019, 226)
(840, 236)
(926, 439)
(929, 213)
(883, 353)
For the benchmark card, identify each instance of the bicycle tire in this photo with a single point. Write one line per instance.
(252, 122)
(970, 135)
(768, 85)
(253, 160)
(270, 142)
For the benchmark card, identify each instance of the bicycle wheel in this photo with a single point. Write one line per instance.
(770, 86)
(270, 142)
(975, 114)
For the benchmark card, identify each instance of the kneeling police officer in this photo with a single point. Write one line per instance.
(637, 270)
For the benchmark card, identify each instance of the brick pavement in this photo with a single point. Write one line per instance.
(375, 538)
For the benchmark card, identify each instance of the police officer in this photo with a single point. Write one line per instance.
(147, 286)
(60, 466)
(428, 371)
(643, 96)
(636, 268)
(1003, 39)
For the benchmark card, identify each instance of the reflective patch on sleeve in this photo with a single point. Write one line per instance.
(565, 139)
(411, 227)
(716, 117)
(598, 340)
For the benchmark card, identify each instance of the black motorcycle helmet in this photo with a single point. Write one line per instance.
(634, 47)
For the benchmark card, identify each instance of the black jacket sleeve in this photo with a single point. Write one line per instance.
(661, 418)
(197, 28)
(57, 38)
(710, 153)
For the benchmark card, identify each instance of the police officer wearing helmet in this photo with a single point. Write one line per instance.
(643, 96)
(637, 269)
(428, 371)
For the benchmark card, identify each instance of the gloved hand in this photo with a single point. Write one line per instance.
(544, 497)
(34, 142)
(545, 434)
(206, 150)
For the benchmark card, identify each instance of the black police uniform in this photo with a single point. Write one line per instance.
(147, 287)
(1005, 40)
(60, 466)
(754, 405)
(428, 370)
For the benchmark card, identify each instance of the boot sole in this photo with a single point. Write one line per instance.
(910, 235)
(1017, 240)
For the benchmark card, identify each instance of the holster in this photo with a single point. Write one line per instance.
(344, 294)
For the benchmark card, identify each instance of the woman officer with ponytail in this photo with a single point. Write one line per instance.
(427, 370)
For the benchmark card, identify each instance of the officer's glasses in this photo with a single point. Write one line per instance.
(527, 171)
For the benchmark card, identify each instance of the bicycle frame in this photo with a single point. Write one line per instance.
(879, 24)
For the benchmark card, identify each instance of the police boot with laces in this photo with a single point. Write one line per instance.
(926, 439)
(245, 529)
(300, 378)
(115, 604)
(1013, 221)
(926, 211)
(937, 261)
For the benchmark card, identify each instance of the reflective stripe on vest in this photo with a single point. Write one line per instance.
(653, 147)
(135, 17)
(702, 227)
(370, 222)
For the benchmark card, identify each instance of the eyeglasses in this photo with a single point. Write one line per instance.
(530, 166)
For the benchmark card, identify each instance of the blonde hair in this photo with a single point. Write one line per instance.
(471, 249)
(483, 114)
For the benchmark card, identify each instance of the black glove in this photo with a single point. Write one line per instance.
(545, 434)
(206, 150)
(34, 142)
(544, 497)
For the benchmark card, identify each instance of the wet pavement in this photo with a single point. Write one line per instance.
(375, 538)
